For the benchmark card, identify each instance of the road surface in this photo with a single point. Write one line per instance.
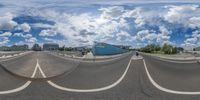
(43, 76)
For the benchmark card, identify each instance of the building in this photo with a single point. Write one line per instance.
(36, 47)
(50, 46)
(5, 48)
(19, 47)
(14, 48)
(197, 49)
(108, 49)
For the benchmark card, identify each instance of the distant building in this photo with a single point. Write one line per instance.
(5, 48)
(36, 47)
(14, 48)
(108, 49)
(50, 46)
(19, 47)
(81, 49)
(197, 49)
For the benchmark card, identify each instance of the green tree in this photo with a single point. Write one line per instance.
(169, 49)
(150, 48)
(36, 47)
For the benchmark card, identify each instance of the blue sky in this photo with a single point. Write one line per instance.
(81, 22)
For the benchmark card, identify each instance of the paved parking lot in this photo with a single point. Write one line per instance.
(45, 76)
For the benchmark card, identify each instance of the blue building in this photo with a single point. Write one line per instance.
(108, 49)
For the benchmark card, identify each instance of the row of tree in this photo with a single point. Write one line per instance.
(166, 49)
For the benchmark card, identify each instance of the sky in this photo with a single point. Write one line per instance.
(81, 22)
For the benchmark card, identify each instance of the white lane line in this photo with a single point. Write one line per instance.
(23, 86)
(87, 90)
(41, 71)
(14, 57)
(165, 89)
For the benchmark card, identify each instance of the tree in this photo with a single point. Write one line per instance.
(36, 47)
(62, 48)
(157, 48)
(169, 49)
(150, 48)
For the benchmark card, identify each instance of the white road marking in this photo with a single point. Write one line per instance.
(87, 90)
(15, 57)
(23, 86)
(165, 89)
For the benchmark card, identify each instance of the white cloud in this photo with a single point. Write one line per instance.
(22, 35)
(5, 34)
(48, 32)
(180, 13)
(4, 40)
(4, 37)
(85, 27)
(28, 38)
(25, 27)
(187, 15)
(137, 14)
(196, 34)
(192, 41)
(148, 35)
(141, 35)
(6, 22)
(48, 39)
(111, 23)
(113, 12)
(164, 36)
(194, 22)
(31, 40)
(42, 25)
(151, 36)
(124, 36)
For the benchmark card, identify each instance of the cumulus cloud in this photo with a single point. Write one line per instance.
(27, 38)
(25, 27)
(137, 14)
(41, 25)
(5, 34)
(164, 36)
(148, 35)
(86, 26)
(48, 32)
(4, 40)
(192, 41)
(114, 23)
(22, 35)
(188, 15)
(124, 36)
(194, 22)
(6, 21)
(31, 40)
(114, 12)
(4, 37)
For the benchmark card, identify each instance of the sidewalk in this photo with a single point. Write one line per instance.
(183, 56)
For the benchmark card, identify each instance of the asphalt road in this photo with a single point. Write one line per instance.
(117, 79)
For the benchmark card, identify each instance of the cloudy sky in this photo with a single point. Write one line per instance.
(81, 22)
